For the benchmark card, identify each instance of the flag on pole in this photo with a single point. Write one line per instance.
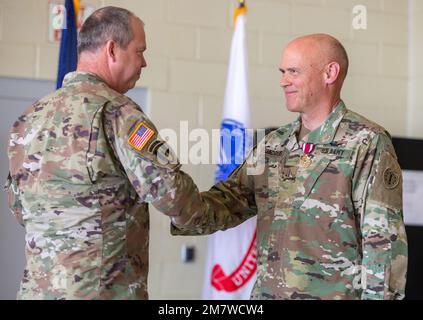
(68, 56)
(232, 255)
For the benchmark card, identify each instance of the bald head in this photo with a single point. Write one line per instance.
(313, 69)
(324, 49)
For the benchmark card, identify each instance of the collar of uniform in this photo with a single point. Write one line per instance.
(292, 140)
(79, 76)
(326, 132)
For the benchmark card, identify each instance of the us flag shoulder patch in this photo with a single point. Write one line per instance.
(141, 135)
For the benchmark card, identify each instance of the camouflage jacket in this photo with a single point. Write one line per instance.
(83, 167)
(329, 229)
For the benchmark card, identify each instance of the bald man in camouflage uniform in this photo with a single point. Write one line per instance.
(329, 203)
(85, 162)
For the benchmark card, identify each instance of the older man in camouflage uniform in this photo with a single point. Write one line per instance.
(85, 162)
(329, 203)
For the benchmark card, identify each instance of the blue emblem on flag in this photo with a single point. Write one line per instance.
(234, 146)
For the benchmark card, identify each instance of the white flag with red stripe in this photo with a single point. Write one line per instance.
(231, 262)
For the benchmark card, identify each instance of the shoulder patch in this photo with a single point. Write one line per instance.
(146, 143)
(387, 182)
(391, 178)
(140, 136)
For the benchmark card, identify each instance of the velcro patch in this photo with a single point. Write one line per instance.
(340, 152)
(391, 178)
(387, 186)
(140, 136)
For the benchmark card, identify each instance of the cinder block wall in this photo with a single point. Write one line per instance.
(188, 48)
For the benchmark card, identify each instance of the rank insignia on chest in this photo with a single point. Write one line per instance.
(305, 160)
(140, 136)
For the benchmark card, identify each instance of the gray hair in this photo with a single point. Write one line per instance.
(108, 23)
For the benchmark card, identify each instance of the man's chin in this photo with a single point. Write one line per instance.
(131, 86)
(291, 108)
(134, 83)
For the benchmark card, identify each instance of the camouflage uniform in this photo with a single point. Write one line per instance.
(333, 230)
(82, 191)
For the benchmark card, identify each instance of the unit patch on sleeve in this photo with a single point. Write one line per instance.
(391, 178)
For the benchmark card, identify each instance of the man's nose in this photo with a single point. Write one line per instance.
(284, 82)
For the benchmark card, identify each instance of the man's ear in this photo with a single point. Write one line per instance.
(111, 50)
(332, 72)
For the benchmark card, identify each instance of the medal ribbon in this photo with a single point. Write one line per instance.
(308, 148)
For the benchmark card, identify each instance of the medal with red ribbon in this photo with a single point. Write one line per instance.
(305, 160)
